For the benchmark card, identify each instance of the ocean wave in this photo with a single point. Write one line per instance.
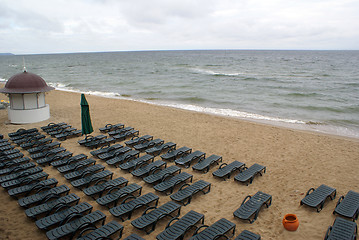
(213, 73)
(300, 94)
(2, 80)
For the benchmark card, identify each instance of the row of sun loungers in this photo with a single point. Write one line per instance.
(18, 176)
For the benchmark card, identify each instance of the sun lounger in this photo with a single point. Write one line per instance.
(186, 192)
(17, 168)
(44, 147)
(22, 131)
(315, 198)
(136, 162)
(157, 150)
(115, 194)
(14, 162)
(348, 206)
(120, 159)
(106, 149)
(12, 156)
(221, 228)
(100, 142)
(247, 174)
(148, 221)
(111, 127)
(102, 186)
(48, 153)
(62, 131)
(138, 140)
(48, 160)
(83, 172)
(52, 125)
(167, 186)
(187, 160)
(87, 181)
(90, 138)
(58, 130)
(120, 131)
(77, 165)
(134, 236)
(104, 232)
(70, 160)
(118, 152)
(10, 152)
(37, 198)
(27, 138)
(24, 180)
(179, 228)
(251, 206)
(225, 170)
(126, 135)
(341, 229)
(162, 174)
(176, 153)
(247, 235)
(50, 206)
(153, 143)
(73, 226)
(68, 134)
(6, 147)
(205, 164)
(145, 169)
(21, 174)
(37, 143)
(126, 208)
(59, 217)
(27, 189)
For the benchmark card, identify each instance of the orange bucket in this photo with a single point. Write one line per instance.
(290, 222)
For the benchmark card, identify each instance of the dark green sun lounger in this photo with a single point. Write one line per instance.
(146, 145)
(167, 186)
(14, 162)
(251, 206)
(83, 172)
(176, 153)
(26, 202)
(112, 154)
(77, 165)
(50, 206)
(27, 189)
(24, 180)
(101, 186)
(136, 162)
(57, 218)
(104, 232)
(315, 198)
(348, 206)
(69, 160)
(120, 159)
(17, 168)
(138, 140)
(145, 169)
(157, 150)
(111, 127)
(221, 228)
(71, 227)
(247, 235)
(187, 160)
(225, 170)
(341, 229)
(56, 157)
(162, 174)
(106, 149)
(128, 206)
(20, 174)
(179, 228)
(247, 174)
(148, 221)
(115, 194)
(88, 180)
(186, 192)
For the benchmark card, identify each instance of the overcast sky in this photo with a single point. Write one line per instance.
(59, 26)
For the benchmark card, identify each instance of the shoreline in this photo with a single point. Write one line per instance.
(316, 128)
(295, 160)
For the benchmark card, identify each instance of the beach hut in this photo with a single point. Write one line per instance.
(26, 92)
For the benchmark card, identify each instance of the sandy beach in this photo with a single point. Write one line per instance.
(295, 160)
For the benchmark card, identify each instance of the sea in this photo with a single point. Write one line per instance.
(307, 90)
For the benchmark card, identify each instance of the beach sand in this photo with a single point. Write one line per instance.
(296, 161)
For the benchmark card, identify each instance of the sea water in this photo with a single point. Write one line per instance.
(310, 90)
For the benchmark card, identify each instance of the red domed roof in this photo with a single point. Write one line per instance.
(25, 82)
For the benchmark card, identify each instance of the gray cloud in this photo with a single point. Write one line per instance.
(37, 26)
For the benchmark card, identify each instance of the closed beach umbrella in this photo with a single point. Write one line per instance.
(85, 116)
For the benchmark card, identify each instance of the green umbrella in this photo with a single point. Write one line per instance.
(85, 116)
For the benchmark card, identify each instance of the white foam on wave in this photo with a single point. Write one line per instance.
(2, 80)
(210, 72)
